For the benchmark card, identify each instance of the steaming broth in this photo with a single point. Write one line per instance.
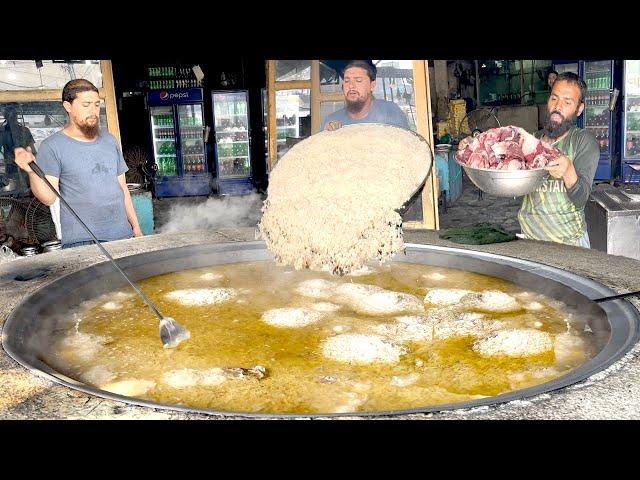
(112, 342)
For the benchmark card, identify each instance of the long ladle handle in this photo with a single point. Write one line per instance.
(615, 297)
(34, 166)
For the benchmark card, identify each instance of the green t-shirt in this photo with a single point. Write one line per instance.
(553, 212)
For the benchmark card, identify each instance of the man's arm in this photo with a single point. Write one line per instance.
(128, 207)
(578, 176)
(585, 163)
(40, 189)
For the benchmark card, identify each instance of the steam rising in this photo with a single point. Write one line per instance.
(226, 212)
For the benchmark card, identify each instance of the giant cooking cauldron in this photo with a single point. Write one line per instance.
(614, 323)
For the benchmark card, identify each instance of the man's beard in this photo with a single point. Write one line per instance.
(90, 130)
(557, 129)
(356, 106)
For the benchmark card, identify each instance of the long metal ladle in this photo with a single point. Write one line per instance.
(615, 297)
(171, 332)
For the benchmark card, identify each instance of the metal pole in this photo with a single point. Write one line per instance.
(521, 81)
(477, 84)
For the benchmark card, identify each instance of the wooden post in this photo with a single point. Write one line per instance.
(31, 95)
(110, 99)
(425, 128)
(272, 132)
(442, 89)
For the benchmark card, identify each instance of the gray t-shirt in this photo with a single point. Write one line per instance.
(88, 173)
(381, 111)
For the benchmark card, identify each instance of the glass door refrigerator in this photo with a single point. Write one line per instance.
(600, 113)
(232, 134)
(631, 123)
(178, 137)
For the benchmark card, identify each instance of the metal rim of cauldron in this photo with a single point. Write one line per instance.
(621, 315)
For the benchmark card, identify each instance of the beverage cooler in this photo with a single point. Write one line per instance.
(232, 134)
(178, 137)
(601, 113)
(630, 172)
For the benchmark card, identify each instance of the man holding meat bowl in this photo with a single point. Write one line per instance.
(555, 211)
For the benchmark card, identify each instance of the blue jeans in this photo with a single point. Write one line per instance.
(77, 244)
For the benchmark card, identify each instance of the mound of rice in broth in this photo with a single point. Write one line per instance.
(332, 197)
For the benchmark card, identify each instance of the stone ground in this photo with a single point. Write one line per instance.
(468, 209)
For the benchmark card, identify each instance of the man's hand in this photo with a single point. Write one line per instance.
(563, 168)
(333, 125)
(23, 158)
(559, 167)
(137, 232)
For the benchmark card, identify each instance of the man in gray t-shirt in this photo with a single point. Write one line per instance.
(86, 166)
(359, 81)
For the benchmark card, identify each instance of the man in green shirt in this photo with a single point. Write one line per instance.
(555, 211)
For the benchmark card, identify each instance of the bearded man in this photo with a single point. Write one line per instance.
(359, 82)
(86, 165)
(555, 211)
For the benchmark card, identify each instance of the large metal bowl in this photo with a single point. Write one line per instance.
(506, 183)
